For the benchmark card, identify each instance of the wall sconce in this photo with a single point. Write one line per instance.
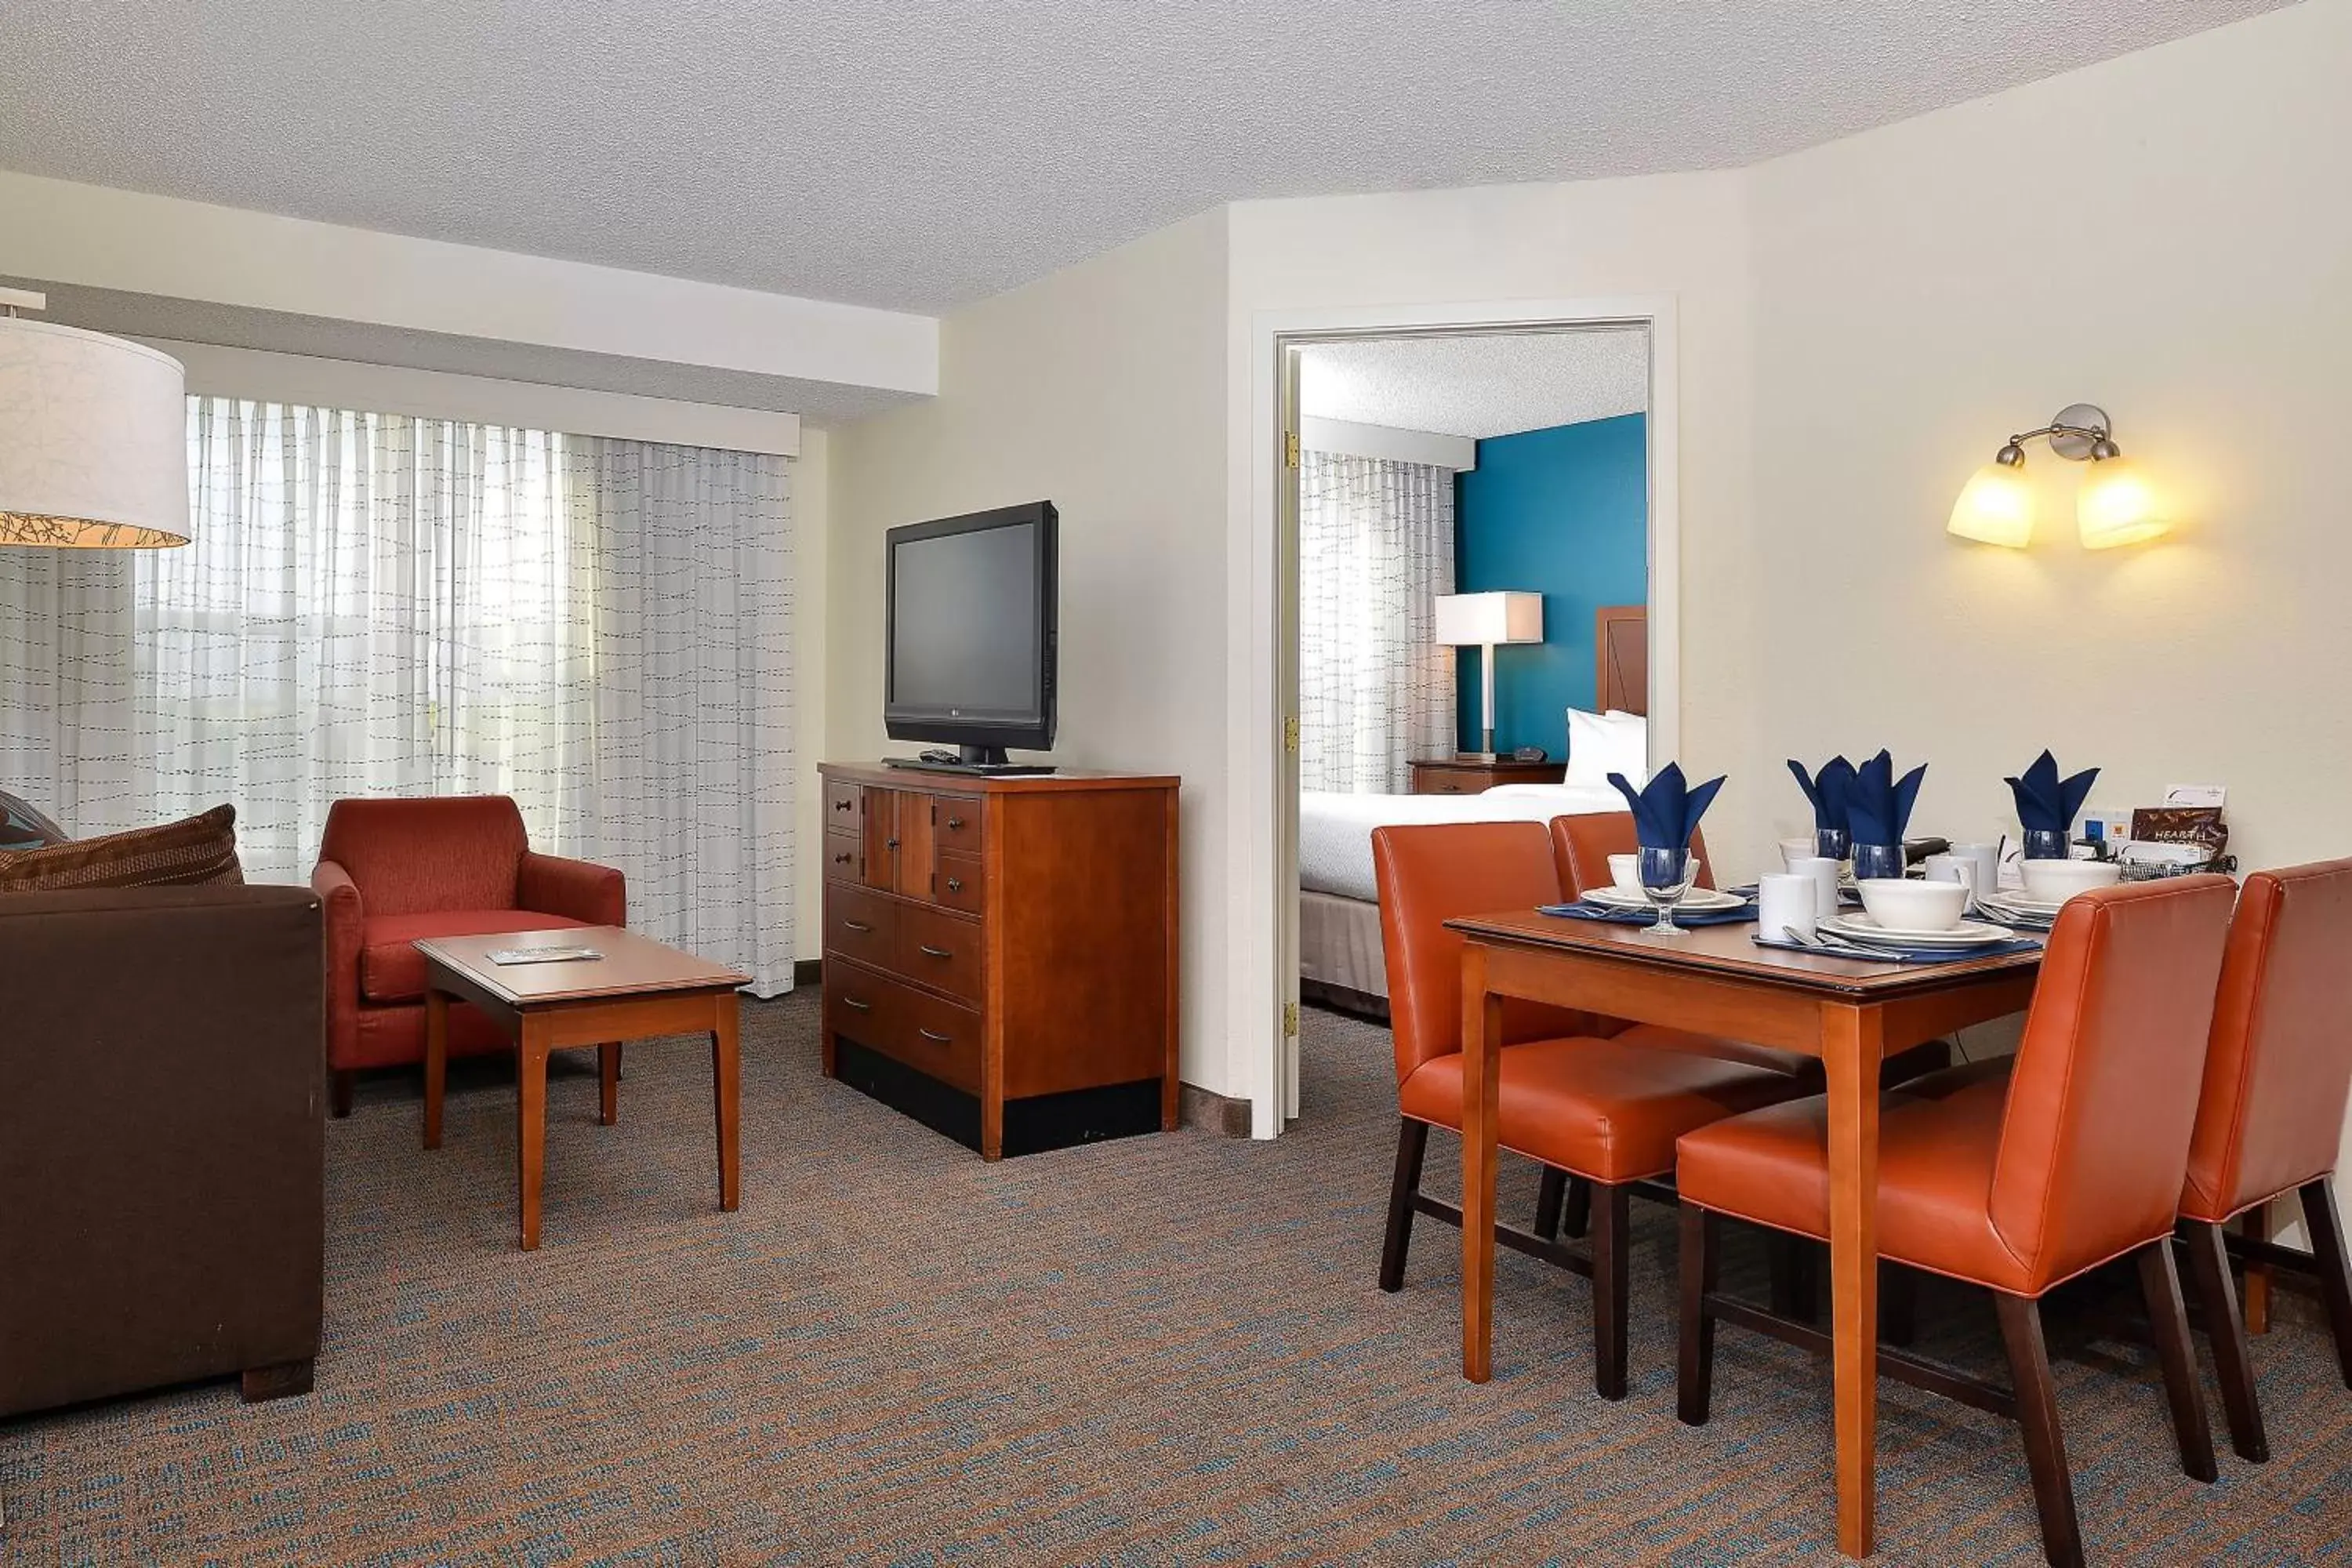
(2116, 506)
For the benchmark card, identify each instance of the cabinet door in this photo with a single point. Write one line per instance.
(881, 867)
(916, 836)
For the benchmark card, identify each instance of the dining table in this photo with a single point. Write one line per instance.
(1718, 980)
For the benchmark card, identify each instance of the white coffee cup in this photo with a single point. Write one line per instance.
(1823, 874)
(1787, 902)
(1625, 871)
(1795, 850)
(1953, 867)
(1986, 859)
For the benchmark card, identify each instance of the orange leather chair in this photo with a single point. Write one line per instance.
(2015, 1176)
(1604, 1109)
(391, 870)
(2277, 1077)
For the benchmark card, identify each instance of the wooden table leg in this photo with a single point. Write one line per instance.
(726, 1094)
(437, 1061)
(1852, 1041)
(530, 1122)
(2255, 1223)
(608, 1083)
(1482, 1039)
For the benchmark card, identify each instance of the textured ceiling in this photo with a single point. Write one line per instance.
(918, 153)
(1478, 386)
(820, 403)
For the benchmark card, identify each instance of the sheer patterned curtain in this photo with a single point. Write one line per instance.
(1375, 549)
(380, 604)
(693, 695)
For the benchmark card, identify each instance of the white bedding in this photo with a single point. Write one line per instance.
(1335, 831)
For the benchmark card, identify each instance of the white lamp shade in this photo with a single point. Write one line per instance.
(1475, 620)
(1995, 508)
(2117, 506)
(93, 440)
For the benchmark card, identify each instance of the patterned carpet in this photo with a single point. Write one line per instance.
(1162, 1351)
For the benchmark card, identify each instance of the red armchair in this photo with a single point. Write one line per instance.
(391, 870)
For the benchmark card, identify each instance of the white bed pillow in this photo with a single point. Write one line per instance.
(1599, 744)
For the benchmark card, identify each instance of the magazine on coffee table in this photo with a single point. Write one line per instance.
(510, 955)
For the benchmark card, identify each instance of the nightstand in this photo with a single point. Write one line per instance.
(1463, 775)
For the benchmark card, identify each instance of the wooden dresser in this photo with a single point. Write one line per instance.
(1000, 953)
(1466, 775)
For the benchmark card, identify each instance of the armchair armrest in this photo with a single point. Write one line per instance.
(345, 921)
(577, 889)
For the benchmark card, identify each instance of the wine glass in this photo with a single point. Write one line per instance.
(1832, 843)
(1665, 878)
(2047, 844)
(1877, 860)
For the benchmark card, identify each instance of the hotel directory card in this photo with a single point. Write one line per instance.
(507, 955)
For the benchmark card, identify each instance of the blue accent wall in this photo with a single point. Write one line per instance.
(1564, 512)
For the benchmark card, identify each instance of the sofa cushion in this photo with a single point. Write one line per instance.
(196, 851)
(392, 971)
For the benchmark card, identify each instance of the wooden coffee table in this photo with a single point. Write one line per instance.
(638, 988)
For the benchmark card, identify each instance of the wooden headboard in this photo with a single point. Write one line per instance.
(1620, 642)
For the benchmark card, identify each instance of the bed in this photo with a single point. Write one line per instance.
(1339, 956)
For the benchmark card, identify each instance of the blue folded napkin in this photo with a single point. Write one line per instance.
(1877, 806)
(2046, 803)
(1617, 917)
(1827, 790)
(1886, 955)
(1666, 810)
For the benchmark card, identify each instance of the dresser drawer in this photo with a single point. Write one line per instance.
(862, 1005)
(957, 823)
(927, 1033)
(957, 883)
(940, 1038)
(845, 807)
(938, 950)
(844, 855)
(861, 925)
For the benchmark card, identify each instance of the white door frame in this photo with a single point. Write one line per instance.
(1262, 857)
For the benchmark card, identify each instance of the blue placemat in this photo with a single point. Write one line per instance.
(1607, 916)
(1880, 953)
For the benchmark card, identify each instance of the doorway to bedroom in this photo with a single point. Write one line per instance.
(1470, 529)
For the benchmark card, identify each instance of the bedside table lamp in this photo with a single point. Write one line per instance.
(93, 436)
(1483, 621)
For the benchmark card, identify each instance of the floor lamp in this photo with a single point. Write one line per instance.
(1481, 621)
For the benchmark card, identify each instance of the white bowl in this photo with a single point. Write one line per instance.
(1901, 905)
(2055, 881)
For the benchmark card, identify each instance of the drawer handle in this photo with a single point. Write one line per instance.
(931, 952)
(841, 858)
(935, 1039)
(860, 927)
(955, 884)
(890, 844)
(954, 823)
(855, 1005)
(841, 805)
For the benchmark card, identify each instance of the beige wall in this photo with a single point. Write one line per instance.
(1926, 289)
(1102, 389)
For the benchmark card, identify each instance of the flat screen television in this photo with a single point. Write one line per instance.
(969, 636)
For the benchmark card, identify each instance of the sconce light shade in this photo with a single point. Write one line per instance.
(93, 438)
(1995, 507)
(2116, 506)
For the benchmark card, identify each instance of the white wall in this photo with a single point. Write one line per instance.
(1924, 289)
(1101, 388)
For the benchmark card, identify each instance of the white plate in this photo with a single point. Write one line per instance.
(1862, 928)
(2044, 907)
(1697, 900)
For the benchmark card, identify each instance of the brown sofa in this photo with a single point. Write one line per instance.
(161, 1141)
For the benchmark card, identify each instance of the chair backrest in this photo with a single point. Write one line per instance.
(1432, 874)
(1581, 847)
(2278, 1073)
(2094, 1139)
(416, 857)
